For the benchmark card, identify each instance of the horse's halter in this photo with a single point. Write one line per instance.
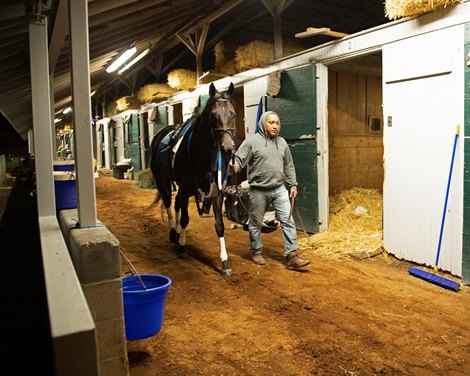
(228, 112)
(223, 114)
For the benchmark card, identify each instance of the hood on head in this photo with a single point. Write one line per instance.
(262, 122)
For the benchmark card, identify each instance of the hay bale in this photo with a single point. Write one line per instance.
(253, 55)
(111, 109)
(355, 225)
(258, 53)
(411, 8)
(224, 58)
(182, 79)
(155, 92)
(291, 47)
(127, 103)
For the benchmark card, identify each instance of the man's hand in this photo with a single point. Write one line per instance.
(293, 191)
(232, 168)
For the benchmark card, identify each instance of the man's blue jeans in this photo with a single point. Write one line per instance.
(260, 199)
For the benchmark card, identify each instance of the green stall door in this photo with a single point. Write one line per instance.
(296, 106)
(132, 141)
(161, 119)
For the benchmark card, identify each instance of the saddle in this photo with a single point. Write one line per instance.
(171, 142)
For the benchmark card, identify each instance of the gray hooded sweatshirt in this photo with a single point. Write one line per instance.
(269, 161)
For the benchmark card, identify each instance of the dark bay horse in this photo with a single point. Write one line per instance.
(192, 159)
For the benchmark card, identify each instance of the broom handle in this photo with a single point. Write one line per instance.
(457, 131)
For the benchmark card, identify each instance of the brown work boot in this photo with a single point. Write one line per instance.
(294, 261)
(259, 259)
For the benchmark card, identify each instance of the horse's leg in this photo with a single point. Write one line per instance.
(182, 219)
(217, 203)
(164, 186)
(172, 225)
(181, 208)
(176, 231)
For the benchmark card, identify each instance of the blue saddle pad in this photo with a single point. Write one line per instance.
(163, 151)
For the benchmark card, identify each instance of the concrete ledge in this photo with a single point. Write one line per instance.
(72, 327)
(95, 253)
(105, 299)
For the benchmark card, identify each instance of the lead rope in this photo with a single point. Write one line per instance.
(132, 269)
(237, 190)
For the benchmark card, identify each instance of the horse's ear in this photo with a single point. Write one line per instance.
(231, 88)
(212, 90)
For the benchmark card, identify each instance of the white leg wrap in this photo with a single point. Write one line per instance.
(168, 213)
(171, 222)
(223, 250)
(178, 226)
(182, 238)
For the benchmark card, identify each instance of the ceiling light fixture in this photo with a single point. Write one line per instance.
(67, 110)
(121, 59)
(140, 56)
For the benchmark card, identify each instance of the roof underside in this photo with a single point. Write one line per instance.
(167, 27)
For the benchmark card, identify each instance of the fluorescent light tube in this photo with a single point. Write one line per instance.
(121, 59)
(140, 56)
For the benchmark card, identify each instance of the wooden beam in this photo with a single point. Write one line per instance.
(59, 32)
(311, 31)
(123, 12)
(277, 26)
(188, 42)
(97, 7)
(202, 37)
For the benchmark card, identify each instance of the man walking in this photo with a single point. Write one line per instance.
(270, 168)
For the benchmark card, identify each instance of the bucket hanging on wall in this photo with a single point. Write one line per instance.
(65, 187)
(144, 298)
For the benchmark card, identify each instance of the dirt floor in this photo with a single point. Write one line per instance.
(336, 317)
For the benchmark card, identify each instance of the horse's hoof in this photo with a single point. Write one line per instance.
(174, 236)
(183, 255)
(226, 269)
(226, 272)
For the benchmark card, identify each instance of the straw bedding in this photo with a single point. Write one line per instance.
(355, 226)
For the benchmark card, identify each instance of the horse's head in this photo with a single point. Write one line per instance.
(222, 113)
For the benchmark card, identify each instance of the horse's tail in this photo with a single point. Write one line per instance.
(154, 204)
(157, 169)
(158, 199)
(153, 148)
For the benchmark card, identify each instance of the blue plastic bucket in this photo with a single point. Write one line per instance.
(64, 165)
(65, 187)
(143, 308)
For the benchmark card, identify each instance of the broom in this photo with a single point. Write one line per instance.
(431, 277)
